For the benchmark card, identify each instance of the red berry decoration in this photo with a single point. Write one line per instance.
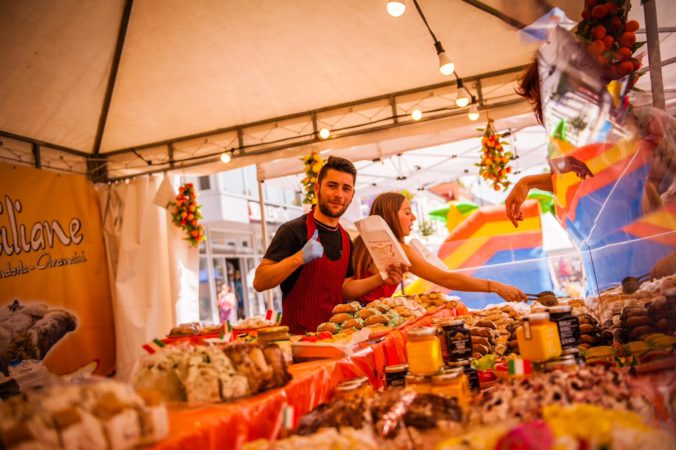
(610, 38)
(185, 213)
(494, 159)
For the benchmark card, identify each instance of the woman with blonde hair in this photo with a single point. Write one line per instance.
(395, 209)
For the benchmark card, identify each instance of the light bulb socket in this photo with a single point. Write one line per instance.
(438, 47)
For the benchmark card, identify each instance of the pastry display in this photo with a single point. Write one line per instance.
(101, 415)
(30, 331)
(212, 373)
(390, 312)
(525, 398)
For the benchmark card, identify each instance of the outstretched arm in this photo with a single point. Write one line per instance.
(459, 282)
(520, 191)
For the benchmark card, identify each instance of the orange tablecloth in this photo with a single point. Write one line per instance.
(229, 425)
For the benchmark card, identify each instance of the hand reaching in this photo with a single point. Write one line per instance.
(514, 201)
(509, 293)
(395, 274)
(570, 164)
(312, 249)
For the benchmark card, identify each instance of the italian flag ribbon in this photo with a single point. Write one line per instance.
(288, 417)
(520, 367)
(271, 313)
(153, 346)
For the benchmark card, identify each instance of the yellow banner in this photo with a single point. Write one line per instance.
(54, 291)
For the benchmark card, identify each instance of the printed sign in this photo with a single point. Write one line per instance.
(55, 301)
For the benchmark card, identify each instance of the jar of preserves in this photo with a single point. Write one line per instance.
(423, 351)
(471, 373)
(456, 338)
(419, 384)
(395, 376)
(538, 338)
(356, 387)
(568, 325)
(452, 384)
(565, 362)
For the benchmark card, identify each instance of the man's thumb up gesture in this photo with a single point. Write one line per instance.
(312, 249)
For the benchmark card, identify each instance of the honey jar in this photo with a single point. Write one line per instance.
(471, 373)
(423, 351)
(419, 384)
(452, 384)
(359, 387)
(538, 338)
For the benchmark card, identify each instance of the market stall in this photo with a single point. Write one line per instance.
(410, 371)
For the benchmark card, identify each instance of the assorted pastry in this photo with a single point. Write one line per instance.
(101, 415)
(29, 331)
(214, 373)
(385, 312)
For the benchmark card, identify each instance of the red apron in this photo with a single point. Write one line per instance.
(318, 289)
(383, 291)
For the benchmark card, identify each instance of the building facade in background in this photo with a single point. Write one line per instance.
(234, 245)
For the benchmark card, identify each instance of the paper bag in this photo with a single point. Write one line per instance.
(381, 244)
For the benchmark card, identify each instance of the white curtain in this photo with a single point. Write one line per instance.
(154, 271)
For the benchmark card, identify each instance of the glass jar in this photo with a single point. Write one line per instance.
(568, 325)
(423, 351)
(356, 387)
(419, 384)
(471, 373)
(395, 376)
(565, 362)
(538, 338)
(456, 339)
(452, 384)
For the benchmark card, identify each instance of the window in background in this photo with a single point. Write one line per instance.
(204, 183)
(232, 181)
(250, 182)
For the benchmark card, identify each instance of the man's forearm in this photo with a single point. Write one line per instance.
(271, 275)
(356, 288)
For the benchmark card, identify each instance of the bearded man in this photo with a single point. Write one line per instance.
(310, 256)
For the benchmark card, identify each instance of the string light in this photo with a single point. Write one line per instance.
(225, 157)
(324, 133)
(446, 67)
(396, 8)
(416, 114)
(461, 96)
(473, 111)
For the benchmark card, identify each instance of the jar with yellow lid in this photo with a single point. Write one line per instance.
(453, 383)
(419, 384)
(538, 338)
(423, 351)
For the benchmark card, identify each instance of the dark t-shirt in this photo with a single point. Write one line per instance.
(292, 236)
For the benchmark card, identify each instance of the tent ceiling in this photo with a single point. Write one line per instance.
(190, 67)
(194, 67)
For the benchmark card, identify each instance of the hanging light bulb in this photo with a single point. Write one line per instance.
(473, 112)
(324, 133)
(225, 157)
(396, 8)
(446, 67)
(416, 114)
(461, 96)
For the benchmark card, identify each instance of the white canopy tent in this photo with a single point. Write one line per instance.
(120, 88)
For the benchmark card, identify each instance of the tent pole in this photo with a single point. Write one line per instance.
(654, 57)
(264, 230)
